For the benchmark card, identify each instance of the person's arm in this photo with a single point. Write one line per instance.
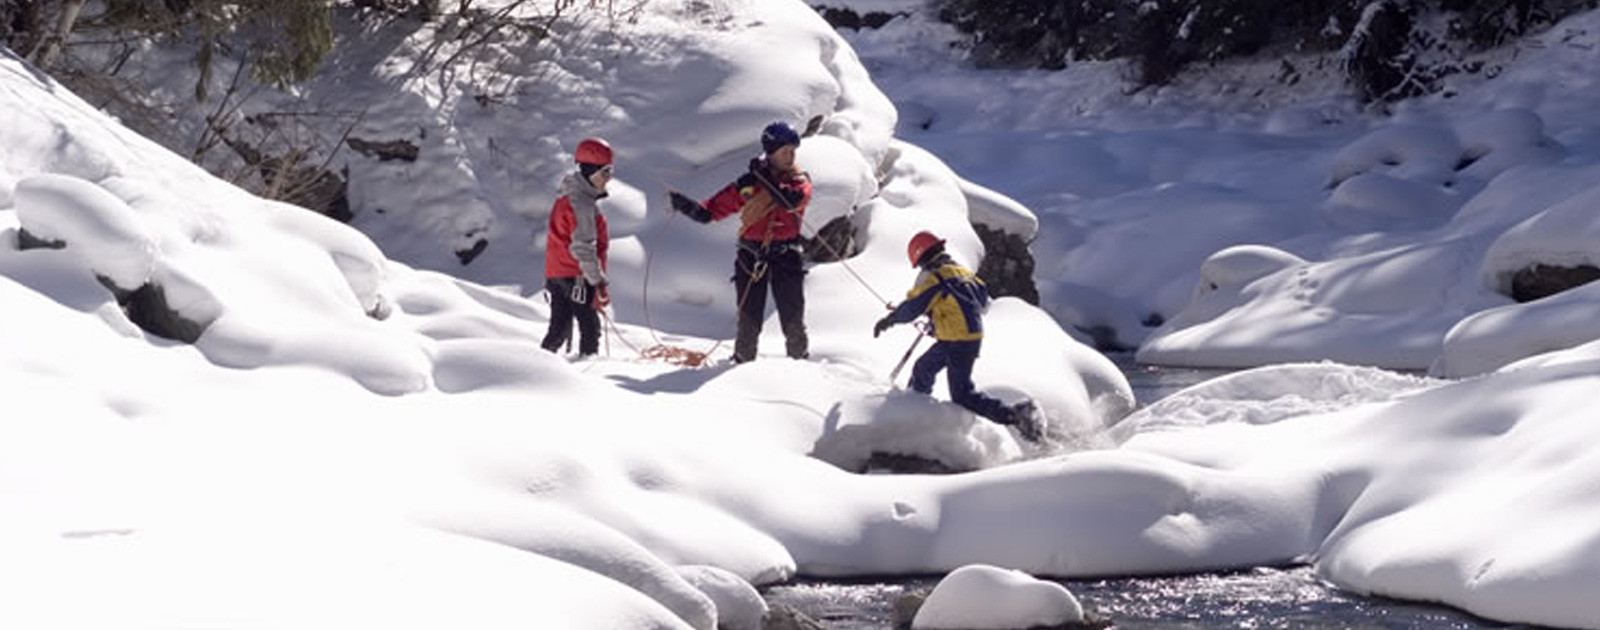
(917, 302)
(918, 299)
(731, 198)
(585, 246)
(689, 207)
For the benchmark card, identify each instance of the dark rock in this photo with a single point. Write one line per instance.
(320, 191)
(905, 609)
(785, 617)
(1104, 338)
(1539, 281)
(813, 126)
(848, 18)
(401, 150)
(148, 309)
(466, 255)
(899, 464)
(834, 242)
(27, 241)
(1007, 265)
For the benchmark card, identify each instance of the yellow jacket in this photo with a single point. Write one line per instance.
(952, 296)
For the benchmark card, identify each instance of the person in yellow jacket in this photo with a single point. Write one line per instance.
(954, 299)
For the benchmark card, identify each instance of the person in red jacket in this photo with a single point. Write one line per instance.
(770, 199)
(575, 251)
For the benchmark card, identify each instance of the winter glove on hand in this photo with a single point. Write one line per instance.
(682, 204)
(882, 325)
(602, 297)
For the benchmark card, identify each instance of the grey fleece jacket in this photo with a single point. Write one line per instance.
(585, 236)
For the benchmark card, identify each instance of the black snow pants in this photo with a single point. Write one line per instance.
(564, 308)
(781, 266)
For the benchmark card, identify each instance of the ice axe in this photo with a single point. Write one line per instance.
(922, 331)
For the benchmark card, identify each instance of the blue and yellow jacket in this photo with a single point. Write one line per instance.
(952, 296)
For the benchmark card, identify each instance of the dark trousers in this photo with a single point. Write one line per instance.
(563, 310)
(780, 267)
(957, 357)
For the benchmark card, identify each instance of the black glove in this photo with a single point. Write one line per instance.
(882, 325)
(682, 204)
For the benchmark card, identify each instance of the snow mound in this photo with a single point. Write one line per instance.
(1409, 151)
(1376, 200)
(983, 597)
(1240, 265)
(1494, 142)
(912, 424)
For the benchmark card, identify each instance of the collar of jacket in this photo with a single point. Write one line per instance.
(576, 184)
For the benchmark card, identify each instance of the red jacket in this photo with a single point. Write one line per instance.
(766, 218)
(558, 259)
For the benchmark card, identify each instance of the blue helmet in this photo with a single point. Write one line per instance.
(777, 135)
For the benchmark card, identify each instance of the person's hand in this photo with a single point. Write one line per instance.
(682, 204)
(602, 296)
(882, 325)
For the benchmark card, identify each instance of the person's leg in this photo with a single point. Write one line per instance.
(588, 326)
(788, 289)
(927, 367)
(750, 289)
(560, 314)
(963, 354)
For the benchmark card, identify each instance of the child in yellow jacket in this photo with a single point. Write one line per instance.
(954, 299)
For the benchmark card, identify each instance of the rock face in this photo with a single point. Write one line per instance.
(1007, 265)
(900, 464)
(835, 240)
(1539, 281)
(846, 17)
(147, 308)
(384, 150)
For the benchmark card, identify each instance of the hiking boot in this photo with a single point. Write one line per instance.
(1026, 418)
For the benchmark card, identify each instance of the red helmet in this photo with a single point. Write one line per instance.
(920, 244)
(593, 151)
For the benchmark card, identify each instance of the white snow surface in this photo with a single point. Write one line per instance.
(367, 434)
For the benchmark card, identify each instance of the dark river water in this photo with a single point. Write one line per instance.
(1287, 598)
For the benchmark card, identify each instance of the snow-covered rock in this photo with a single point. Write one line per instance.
(982, 597)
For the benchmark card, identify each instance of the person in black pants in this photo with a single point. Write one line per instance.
(575, 252)
(770, 200)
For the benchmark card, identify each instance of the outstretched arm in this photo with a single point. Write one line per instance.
(682, 204)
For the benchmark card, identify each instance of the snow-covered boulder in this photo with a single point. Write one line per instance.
(908, 423)
(97, 229)
(1240, 265)
(983, 597)
(1566, 234)
(1498, 140)
(1409, 151)
(1378, 201)
(739, 605)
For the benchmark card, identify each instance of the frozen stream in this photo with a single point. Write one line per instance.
(1258, 598)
